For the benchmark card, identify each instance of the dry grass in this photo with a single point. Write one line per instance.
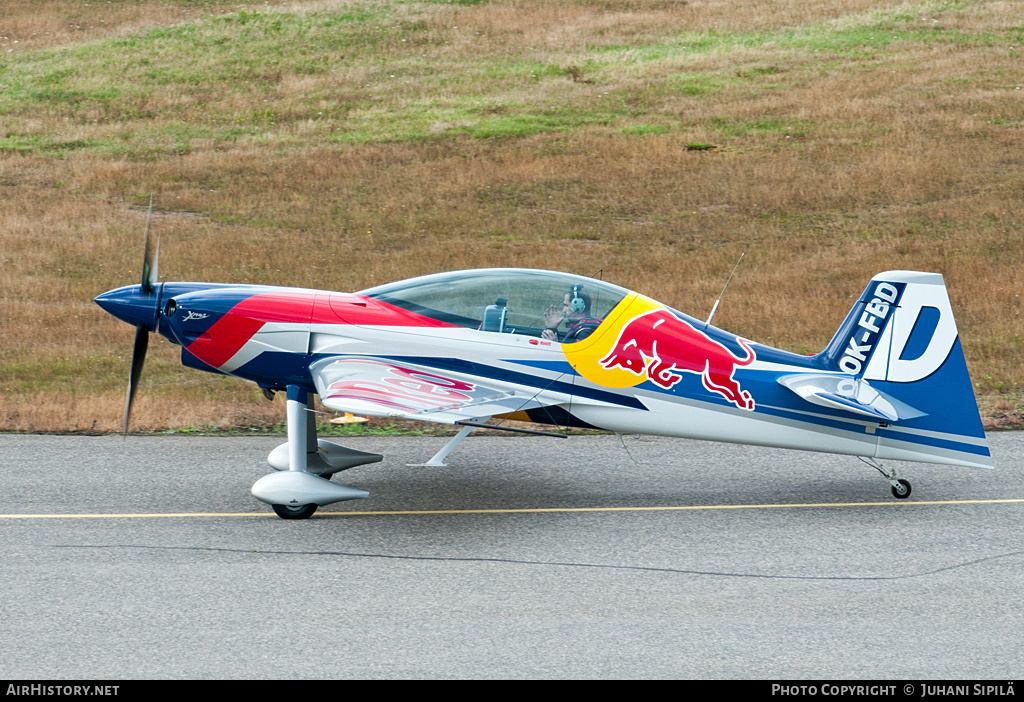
(850, 137)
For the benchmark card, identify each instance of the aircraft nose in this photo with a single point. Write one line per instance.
(131, 305)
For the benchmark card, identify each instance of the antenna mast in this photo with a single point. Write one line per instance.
(713, 309)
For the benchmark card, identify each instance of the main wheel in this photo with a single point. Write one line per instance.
(300, 512)
(901, 495)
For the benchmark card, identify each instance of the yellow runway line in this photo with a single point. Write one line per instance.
(537, 510)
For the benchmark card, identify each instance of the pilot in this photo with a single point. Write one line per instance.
(575, 314)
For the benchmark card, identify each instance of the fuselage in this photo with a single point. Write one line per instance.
(645, 368)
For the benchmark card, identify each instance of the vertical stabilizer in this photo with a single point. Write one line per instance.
(901, 339)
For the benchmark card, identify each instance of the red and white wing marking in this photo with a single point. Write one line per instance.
(377, 388)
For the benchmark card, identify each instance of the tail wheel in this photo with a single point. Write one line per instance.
(299, 512)
(901, 495)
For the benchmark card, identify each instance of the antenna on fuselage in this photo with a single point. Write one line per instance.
(713, 309)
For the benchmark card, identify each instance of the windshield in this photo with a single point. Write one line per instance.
(508, 300)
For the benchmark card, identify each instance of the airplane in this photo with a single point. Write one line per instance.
(475, 347)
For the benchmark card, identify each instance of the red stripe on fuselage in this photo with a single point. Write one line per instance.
(232, 331)
(349, 308)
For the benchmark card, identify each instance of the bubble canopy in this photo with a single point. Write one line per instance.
(510, 300)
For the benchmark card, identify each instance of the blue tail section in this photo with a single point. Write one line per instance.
(900, 353)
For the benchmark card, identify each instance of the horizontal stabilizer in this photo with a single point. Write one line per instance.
(849, 394)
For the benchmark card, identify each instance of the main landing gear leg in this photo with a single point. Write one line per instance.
(900, 488)
(298, 440)
(295, 493)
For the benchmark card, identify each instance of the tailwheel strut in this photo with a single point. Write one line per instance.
(900, 488)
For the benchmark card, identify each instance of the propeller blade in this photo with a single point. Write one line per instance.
(138, 358)
(151, 257)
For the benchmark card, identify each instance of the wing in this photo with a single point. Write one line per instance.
(384, 388)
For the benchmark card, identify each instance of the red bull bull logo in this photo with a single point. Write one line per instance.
(659, 346)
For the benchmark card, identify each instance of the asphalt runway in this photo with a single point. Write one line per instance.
(591, 557)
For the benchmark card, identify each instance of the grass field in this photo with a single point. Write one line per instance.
(340, 145)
